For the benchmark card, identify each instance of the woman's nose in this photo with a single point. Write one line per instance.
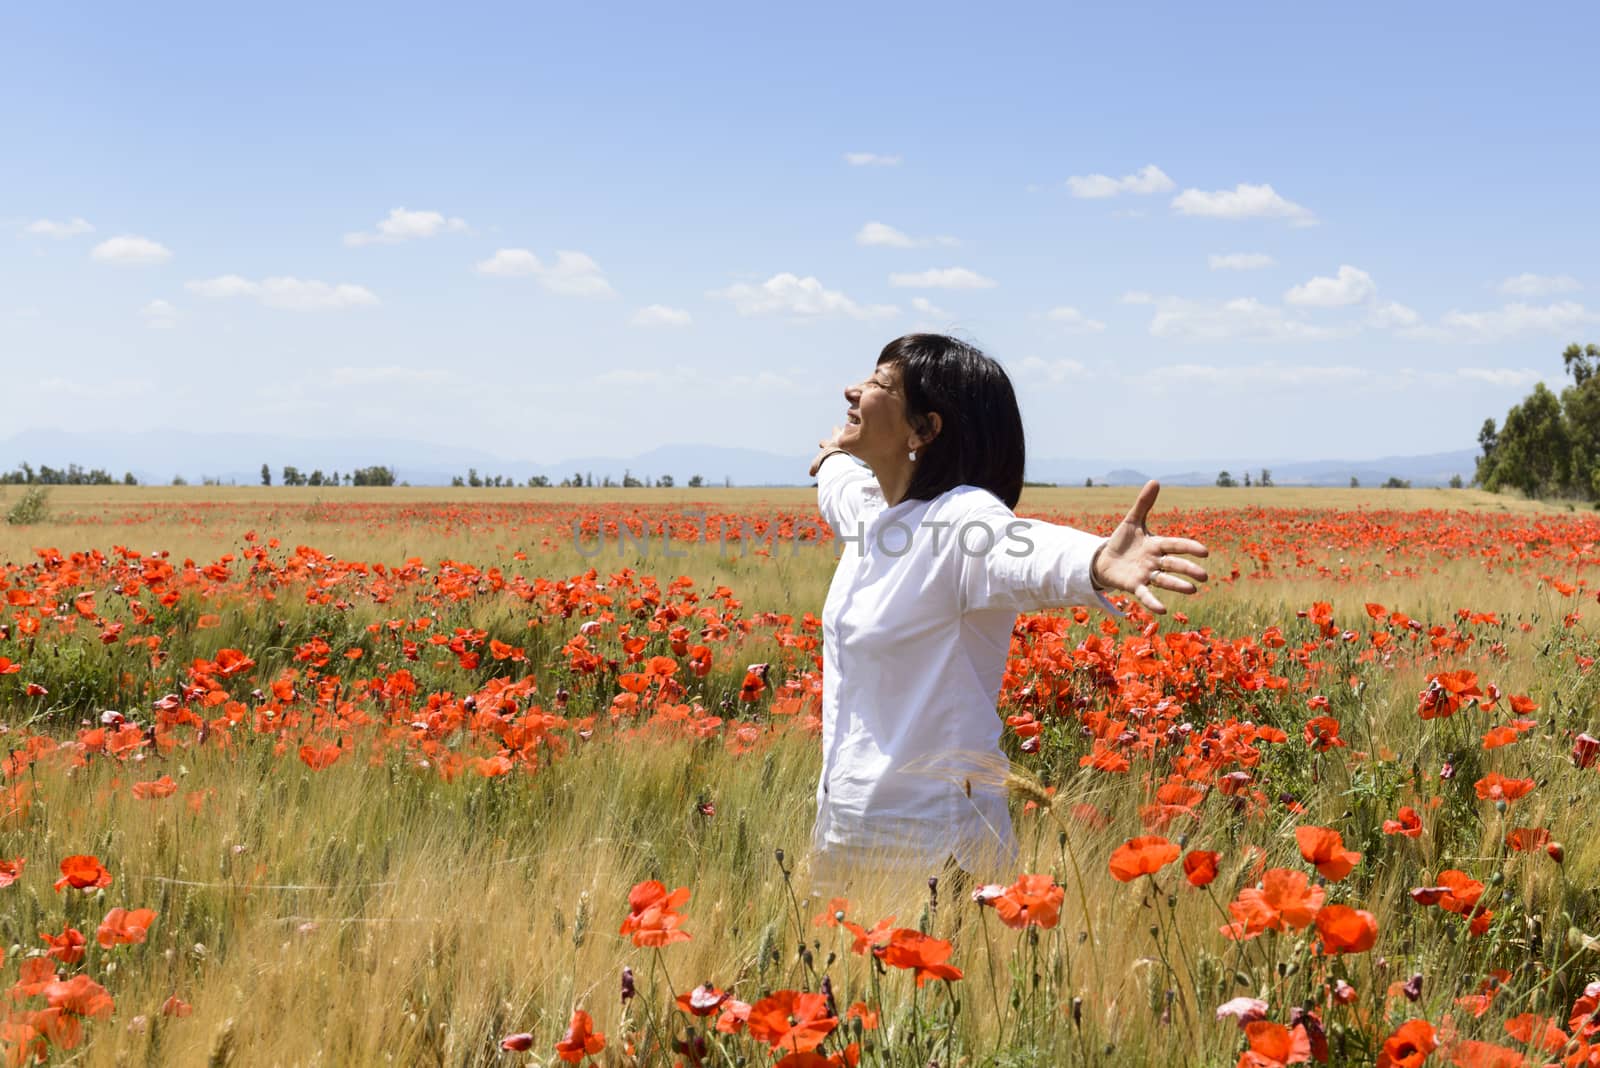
(851, 393)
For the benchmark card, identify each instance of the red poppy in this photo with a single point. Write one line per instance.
(1346, 930)
(1031, 901)
(1273, 1045)
(1408, 1046)
(1541, 1032)
(317, 757)
(1142, 856)
(1527, 839)
(123, 927)
(870, 939)
(1323, 847)
(833, 915)
(1408, 823)
(791, 1020)
(80, 996)
(1496, 787)
(702, 1000)
(1200, 867)
(155, 789)
(653, 918)
(83, 872)
(1322, 733)
(66, 947)
(909, 948)
(11, 869)
(581, 1039)
(1470, 1053)
(1284, 899)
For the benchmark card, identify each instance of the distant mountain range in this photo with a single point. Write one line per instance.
(156, 456)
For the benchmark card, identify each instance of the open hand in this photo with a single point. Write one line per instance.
(1139, 562)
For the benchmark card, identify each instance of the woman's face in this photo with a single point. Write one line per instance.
(876, 425)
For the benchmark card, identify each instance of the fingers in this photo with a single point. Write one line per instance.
(1140, 512)
(1185, 546)
(1148, 599)
(1166, 580)
(1177, 565)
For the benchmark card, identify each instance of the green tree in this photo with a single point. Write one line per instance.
(1533, 450)
(1225, 480)
(266, 475)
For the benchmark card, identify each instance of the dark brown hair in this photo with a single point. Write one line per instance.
(980, 436)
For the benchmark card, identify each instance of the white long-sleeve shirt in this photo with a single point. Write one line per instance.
(916, 630)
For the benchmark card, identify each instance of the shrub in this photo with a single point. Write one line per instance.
(33, 507)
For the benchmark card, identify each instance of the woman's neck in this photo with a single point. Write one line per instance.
(894, 479)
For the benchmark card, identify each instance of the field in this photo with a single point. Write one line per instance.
(409, 776)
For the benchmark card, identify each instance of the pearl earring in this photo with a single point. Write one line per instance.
(913, 454)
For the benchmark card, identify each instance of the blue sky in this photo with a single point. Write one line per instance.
(1259, 230)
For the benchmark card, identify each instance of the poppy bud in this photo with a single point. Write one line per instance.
(1413, 988)
(1557, 851)
(627, 985)
(517, 1043)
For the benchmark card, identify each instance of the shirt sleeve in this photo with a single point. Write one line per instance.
(1030, 566)
(841, 488)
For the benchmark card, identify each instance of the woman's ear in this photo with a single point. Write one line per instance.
(931, 425)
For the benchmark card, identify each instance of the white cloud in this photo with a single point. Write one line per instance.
(1506, 321)
(403, 225)
(1244, 201)
(1501, 376)
(877, 233)
(573, 274)
(942, 278)
(928, 307)
(159, 315)
(131, 249)
(1244, 319)
(1240, 261)
(789, 294)
(50, 228)
(871, 159)
(290, 294)
(1251, 376)
(661, 315)
(1352, 286)
(1392, 315)
(1539, 285)
(388, 376)
(1074, 320)
(510, 263)
(1148, 179)
(1054, 370)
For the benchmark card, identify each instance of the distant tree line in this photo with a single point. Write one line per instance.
(361, 476)
(577, 480)
(1226, 480)
(71, 475)
(1549, 445)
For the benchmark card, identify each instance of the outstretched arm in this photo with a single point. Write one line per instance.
(1139, 562)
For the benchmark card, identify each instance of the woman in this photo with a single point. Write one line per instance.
(917, 624)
